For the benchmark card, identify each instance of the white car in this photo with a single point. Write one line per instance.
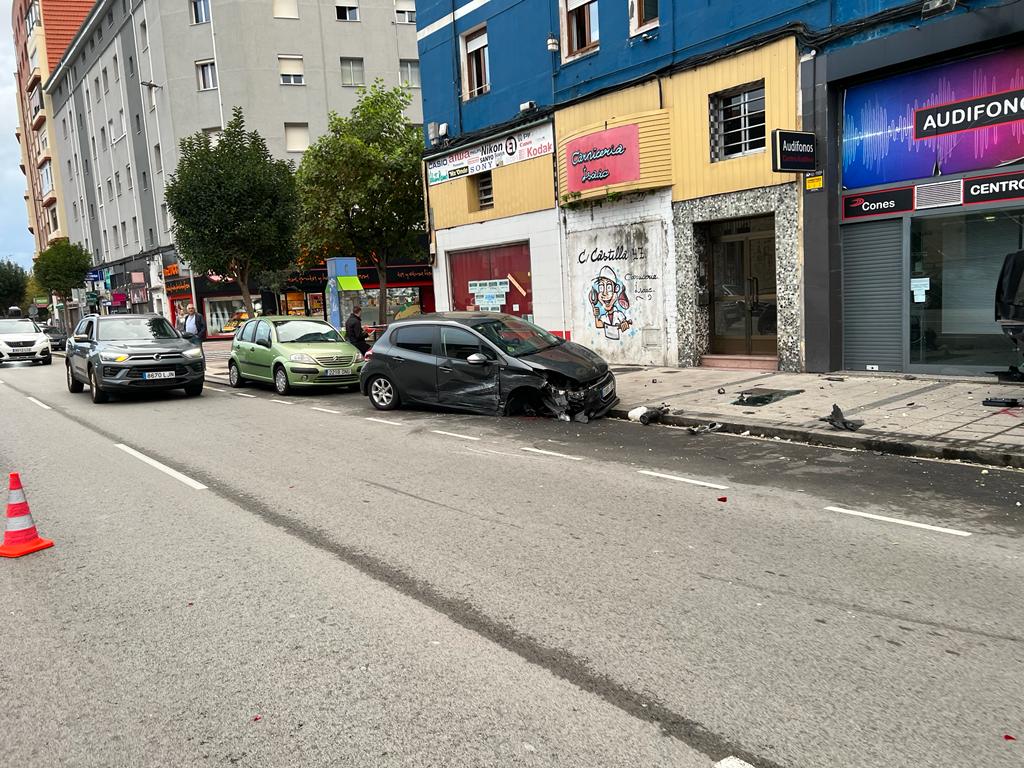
(22, 339)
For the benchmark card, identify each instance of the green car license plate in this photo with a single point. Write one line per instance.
(338, 371)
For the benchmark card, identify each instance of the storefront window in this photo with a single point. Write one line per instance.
(225, 313)
(315, 302)
(402, 303)
(954, 265)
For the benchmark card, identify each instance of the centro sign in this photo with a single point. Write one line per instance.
(603, 158)
(879, 203)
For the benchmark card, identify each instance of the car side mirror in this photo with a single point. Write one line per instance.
(82, 338)
(478, 359)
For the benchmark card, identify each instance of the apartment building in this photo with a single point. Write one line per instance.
(140, 75)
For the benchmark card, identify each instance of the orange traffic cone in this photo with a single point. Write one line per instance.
(21, 537)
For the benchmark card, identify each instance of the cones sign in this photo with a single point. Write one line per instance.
(20, 536)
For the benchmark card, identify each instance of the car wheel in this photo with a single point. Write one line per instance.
(98, 395)
(48, 361)
(383, 394)
(74, 385)
(281, 383)
(194, 389)
(235, 376)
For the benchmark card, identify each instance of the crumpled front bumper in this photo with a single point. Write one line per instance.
(590, 402)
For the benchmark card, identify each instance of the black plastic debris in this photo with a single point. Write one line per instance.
(760, 396)
(834, 378)
(1003, 402)
(838, 420)
(721, 390)
(713, 426)
(581, 418)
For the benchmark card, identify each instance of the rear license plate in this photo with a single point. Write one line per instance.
(338, 371)
(608, 389)
(158, 375)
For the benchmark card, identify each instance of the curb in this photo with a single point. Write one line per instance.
(924, 448)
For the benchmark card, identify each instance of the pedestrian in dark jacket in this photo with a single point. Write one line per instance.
(192, 322)
(354, 333)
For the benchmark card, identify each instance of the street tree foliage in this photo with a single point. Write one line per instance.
(61, 268)
(13, 280)
(234, 206)
(32, 290)
(360, 189)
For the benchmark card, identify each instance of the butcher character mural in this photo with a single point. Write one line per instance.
(610, 303)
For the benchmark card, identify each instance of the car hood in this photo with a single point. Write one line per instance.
(569, 359)
(148, 347)
(34, 337)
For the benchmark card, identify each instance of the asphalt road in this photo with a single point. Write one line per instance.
(417, 588)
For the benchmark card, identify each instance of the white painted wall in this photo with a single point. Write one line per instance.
(541, 230)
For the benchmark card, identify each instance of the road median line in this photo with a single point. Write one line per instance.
(194, 484)
(882, 518)
(687, 480)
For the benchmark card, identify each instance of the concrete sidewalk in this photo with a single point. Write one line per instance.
(905, 415)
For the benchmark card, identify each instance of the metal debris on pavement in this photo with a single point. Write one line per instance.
(713, 426)
(838, 420)
(760, 396)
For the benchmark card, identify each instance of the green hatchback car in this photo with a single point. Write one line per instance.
(291, 352)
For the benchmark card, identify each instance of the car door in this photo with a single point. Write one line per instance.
(79, 360)
(412, 362)
(243, 346)
(261, 354)
(461, 384)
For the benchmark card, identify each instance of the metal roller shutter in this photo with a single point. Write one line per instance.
(873, 295)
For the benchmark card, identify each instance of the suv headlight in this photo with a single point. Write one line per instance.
(193, 354)
(113, 357)
(302, 357)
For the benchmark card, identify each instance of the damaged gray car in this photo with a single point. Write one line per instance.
(484, 362)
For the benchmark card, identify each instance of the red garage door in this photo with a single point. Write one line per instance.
(497, 278)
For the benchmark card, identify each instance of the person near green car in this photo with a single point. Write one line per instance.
(292, 352)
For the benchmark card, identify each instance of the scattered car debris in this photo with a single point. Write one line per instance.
(721, 390)
(647, 414)
(834, 378)
(1012, 374)
(1003, 402)
(723, 498)
(838, 420)
(713, 426)
(760, 396)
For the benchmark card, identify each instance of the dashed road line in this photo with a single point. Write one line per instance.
(243, 394)
(194, 484)
(454, 434)
(40, 403)
(732, 762)
(385, 421)
(552, 453)
(323, 410)
(214, 389)
(282, 402)
(884, 519)
(687, 480)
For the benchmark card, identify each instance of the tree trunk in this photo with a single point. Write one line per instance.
(242, 278)
(382, 301)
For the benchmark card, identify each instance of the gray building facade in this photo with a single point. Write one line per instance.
(142, 74)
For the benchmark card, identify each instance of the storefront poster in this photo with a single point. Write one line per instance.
(536, 141)
(946, 119)
(603, 158)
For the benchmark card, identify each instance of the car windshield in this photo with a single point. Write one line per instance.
(18, 326)
(305, 332)
(516, 337)
(135, 329)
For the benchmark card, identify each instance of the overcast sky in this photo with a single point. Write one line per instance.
(15, 240)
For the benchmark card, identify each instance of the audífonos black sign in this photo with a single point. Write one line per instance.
(879, 203)
(969, 114)
(994, 187)
(793, 151)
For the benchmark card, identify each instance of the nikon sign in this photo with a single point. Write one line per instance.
(793, 151)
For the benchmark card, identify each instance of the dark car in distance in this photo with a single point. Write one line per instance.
(58, 339)
(124, 353)
(485, 362)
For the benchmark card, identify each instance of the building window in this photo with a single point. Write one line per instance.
(74, 211)
(582, 33)
(110, 130)
(138, 124)
(643, 15)
(296, 137)
(110, 190)
(477, 64)
(737, 121)
(352, 72)
(347, 10)
(117, 182)
(115, 238)
(54, 223)
(106, 81)
(32, 17)
(124, 233)
(143, 36)
(92, 140)
(164, 218)
(96, 89)
(483, 187)
(70, 175)
(291, 69)
(131, 66)
(145, 181)
(128, 175)
(152, 98)
(64, 126)
(92, 212)
(117, 71)
(286, 9)
(200, 11)
(135, 227)
(206, 75)
(409, 73)
(405, 11)
(158, 159)
(46, 178)
(103, 138)
(121, 123)
(85, 165)
(149, 236)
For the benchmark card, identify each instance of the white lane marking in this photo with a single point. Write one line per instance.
(242, 394)
(385, 421)
(732, 762)
(324, 410)
(1, 381)
(552, 453)
(898, 522)
(162, 467)
(677, 478)
(454, 434)
(282, 402)
(214, 389)
(40, 404)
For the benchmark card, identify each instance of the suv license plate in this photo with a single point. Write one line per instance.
(158, 375)
(608, 389)
(338, 371)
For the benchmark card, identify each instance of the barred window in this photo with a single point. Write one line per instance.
(737, 121)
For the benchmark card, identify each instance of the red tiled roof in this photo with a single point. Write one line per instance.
(61, 20)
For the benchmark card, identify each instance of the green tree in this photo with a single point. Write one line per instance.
(235, 207)
(60, 269)
(360, 187)
(13, 280)
(32, 290)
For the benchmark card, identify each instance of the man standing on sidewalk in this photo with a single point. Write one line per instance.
(354, 333)
(193, 323)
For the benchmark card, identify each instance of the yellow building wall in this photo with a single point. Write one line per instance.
(612, 107)
(518, 188)
(687, 97)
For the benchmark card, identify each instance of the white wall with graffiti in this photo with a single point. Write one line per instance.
(621, 278)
